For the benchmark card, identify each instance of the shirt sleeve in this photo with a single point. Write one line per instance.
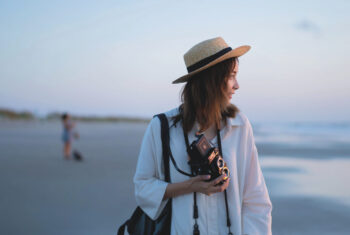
(149, 176)
(257, 207)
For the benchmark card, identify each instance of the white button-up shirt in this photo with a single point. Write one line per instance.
(248, 199)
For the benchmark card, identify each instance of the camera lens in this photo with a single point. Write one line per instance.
(220, 163)
(226, 172)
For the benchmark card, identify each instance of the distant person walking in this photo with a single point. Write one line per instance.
(68, 135)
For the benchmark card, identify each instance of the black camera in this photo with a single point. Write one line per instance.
(206, 159)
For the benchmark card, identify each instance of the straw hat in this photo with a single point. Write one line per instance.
(208, 53)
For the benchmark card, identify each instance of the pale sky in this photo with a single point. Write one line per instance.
(120, 57)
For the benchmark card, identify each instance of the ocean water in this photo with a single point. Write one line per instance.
(328, 178)
(308, 173)
(303, 133)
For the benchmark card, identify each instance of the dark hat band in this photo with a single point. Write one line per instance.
(208, 59)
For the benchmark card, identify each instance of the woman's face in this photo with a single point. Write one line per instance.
(231, 83)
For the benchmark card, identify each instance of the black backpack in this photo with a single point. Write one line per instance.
(140, 223)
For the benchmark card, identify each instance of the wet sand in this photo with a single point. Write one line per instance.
(43, 194)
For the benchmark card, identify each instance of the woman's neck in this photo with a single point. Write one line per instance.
(209, 133)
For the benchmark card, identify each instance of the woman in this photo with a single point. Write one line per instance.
(206, 109)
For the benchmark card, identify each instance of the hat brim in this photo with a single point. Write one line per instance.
(239, 51)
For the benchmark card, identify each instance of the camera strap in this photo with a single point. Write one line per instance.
(195, 207)
(177, 168)
(228, 221)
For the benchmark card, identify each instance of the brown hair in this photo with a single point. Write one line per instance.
(203, 98)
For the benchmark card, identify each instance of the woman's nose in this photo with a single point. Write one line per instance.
(236, 85)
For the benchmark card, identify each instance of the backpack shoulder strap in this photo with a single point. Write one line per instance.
(166, 151)
(165, 144)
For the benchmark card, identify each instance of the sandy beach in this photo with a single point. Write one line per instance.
(43, 194)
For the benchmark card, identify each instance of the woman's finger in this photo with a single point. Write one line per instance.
(226, 182)
(201, 177)
(205, 177)
(217, 180)
(220, 188)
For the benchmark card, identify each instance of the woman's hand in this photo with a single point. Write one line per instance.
(198, 184)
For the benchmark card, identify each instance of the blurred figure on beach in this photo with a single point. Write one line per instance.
(68, 134)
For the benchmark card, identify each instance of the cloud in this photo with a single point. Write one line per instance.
(309, 26)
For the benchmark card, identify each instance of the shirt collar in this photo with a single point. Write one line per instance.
(235, 121)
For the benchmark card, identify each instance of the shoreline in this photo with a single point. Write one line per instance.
(78, 119)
